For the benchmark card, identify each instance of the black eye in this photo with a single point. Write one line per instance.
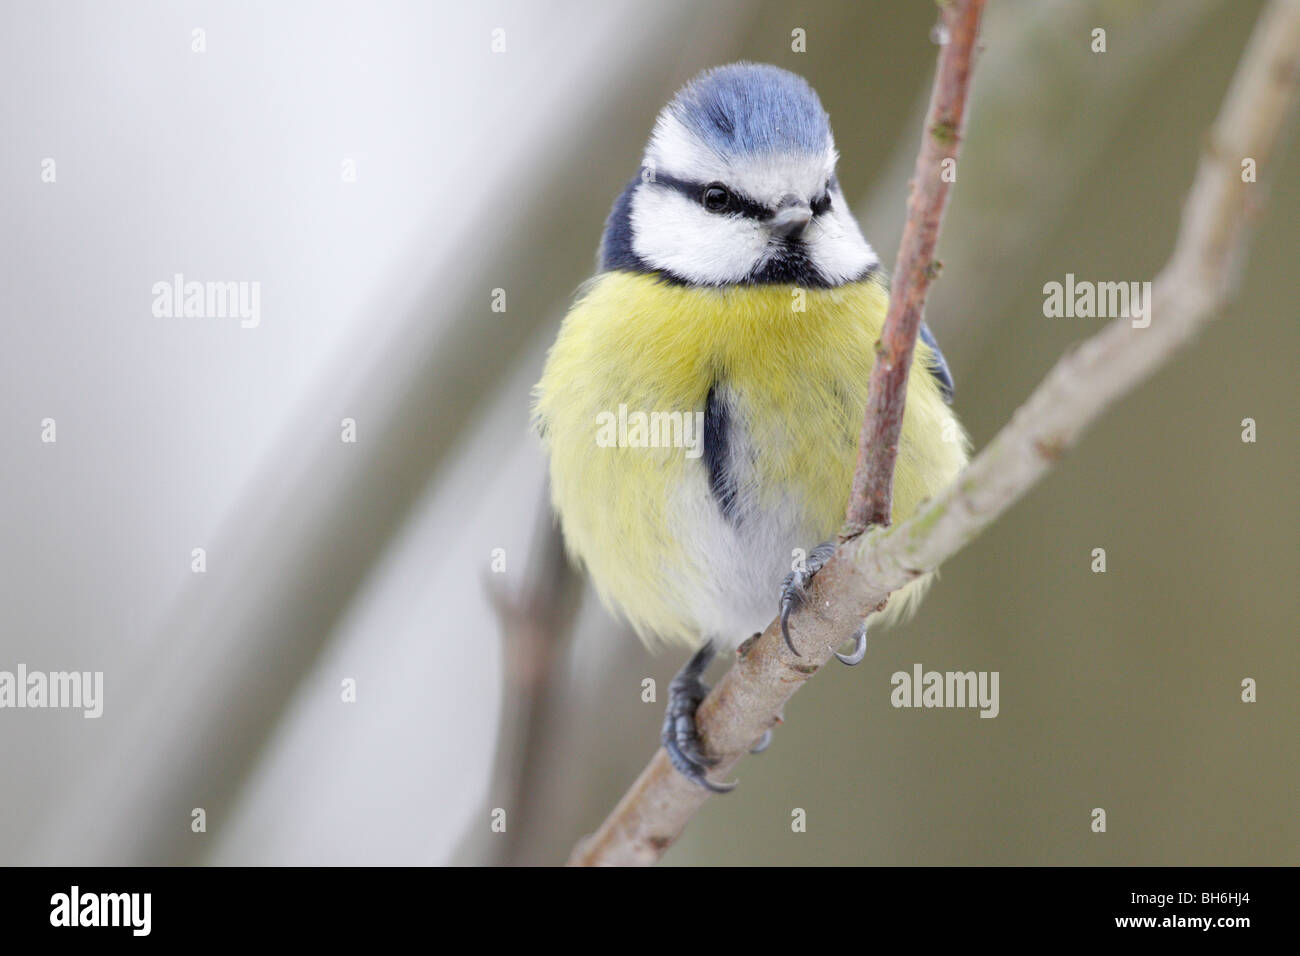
(715, 197)
(821, 203)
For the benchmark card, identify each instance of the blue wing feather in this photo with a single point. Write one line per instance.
(938, 364)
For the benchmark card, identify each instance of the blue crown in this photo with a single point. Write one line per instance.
(748, 108)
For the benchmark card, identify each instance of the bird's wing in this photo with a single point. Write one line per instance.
(938, 364)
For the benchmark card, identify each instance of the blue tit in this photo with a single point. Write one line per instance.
(702, 403)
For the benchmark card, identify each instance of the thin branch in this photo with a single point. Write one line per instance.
(870, 503)
(1197, 281)
(536, 625)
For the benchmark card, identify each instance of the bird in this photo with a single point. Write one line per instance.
(702, 402)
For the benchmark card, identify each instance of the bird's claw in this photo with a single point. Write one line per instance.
(859, 647)
(680, 736)
(794, 588)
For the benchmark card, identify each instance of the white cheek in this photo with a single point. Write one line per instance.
(671, 232)
(835, 244)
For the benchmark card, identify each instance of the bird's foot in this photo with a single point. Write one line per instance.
(794, 592)
(794, 588)
(681, 738)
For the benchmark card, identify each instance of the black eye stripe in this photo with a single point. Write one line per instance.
(738, 203)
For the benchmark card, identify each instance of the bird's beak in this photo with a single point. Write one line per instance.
(790, 217)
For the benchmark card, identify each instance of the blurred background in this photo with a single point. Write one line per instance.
(380, 171)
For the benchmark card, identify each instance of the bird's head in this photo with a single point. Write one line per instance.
(738, 187)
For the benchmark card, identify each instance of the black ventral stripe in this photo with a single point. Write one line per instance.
(717, 454)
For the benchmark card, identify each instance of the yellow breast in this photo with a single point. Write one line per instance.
(795, 365)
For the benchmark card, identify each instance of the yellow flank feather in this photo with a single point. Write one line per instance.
(799, 379)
